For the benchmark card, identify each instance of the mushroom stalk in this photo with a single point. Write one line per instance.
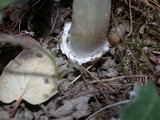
(85, 39)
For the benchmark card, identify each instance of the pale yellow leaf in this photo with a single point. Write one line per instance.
(30, 76)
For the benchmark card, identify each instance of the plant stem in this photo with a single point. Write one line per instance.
(108, 106)
(89, 27)
(85, 39)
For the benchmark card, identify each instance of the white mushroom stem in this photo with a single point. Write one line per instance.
(85, 39)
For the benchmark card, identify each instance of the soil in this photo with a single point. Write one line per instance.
(133, 59)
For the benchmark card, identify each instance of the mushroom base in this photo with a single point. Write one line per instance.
(65, 48)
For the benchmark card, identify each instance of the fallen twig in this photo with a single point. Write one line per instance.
(156, 52)
(156, 5)
(66, 87)
(20, 20)
(131, 19)
(96, 78)
(121, 77)
(53, 23)
(108, 106)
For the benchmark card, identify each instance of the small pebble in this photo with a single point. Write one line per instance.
(157, 68)
(112, 97)
(124, 81)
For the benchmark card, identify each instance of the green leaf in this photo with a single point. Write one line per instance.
(145, 107)
(5, 3)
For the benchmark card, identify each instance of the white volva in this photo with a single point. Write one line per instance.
(85, 40)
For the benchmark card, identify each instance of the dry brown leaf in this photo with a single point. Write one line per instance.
(74, 108)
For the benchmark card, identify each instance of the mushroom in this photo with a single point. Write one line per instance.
(84, 39)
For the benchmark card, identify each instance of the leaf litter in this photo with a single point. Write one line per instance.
(74, 108)
(125, 59)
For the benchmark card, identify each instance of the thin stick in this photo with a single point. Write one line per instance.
(119, 84)
(14, 110)
(97, 78)
(20, 20)
(147, 2)
(156, 52)
(53, 23)
(121, 77)
(19, 101)
(66, 87)
(108, 106)
(156, 4)
(80, 75)
(151, 4)
(131, 21)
